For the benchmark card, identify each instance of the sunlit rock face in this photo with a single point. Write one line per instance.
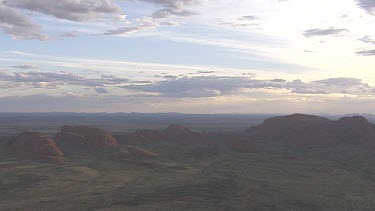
(35, 146)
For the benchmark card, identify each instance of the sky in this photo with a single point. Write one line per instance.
(188, 56)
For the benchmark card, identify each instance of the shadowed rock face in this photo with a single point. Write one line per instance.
(279, 127)
(315, 131)
(94, 138)
(69, 141)
(34, 145)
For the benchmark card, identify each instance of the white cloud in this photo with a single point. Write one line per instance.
(25, 66)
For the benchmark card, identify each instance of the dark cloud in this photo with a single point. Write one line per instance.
(14, 22)
(331, 86)
(170, 76)
(166, 13)
(170, 8)
(37, 79)
(173, 8)
(366, 53)
(80, 11)
(211, 86)
(324, 32)
(279, 80)
(367, 39)
(345, 82)
(19, 25)
(249, 17)
(101, 90)
(205, 72)
(368, 5)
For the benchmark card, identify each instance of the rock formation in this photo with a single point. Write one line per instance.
(35, 146)
(92, 138)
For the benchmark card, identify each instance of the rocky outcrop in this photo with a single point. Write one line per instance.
(68, 141)
(279, 127)
(307, 130)
(35, 146)
(92, 138)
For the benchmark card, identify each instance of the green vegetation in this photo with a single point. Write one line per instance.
(272, 178)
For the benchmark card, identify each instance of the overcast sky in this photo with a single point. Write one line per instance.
(189, 56)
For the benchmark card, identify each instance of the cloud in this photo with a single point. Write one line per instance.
(249, 17)
(341, 85)
(25, 66)
(159, 18)
(128, 30)
(173, 8)
(101, 90)
(37, 79)
(69, 34)
(170, 76)
(212, 86)
(367, 39)
(366, 53)
(18, 25)
(206, 72)
(244, 21)
(324, 32)
(143, 24)
(14, 22)
(344, 82)
(368, 5)
(79, 11)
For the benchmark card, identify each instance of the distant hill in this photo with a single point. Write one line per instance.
(309, 130)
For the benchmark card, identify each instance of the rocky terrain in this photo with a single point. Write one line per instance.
(307, 130)
(295, 162)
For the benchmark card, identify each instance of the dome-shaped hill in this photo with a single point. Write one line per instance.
(69, 141)
(179, 134)
(355, 129)
(316, 131)
(279, 127)
(34, 145)
(94, 138)
(177, 129)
